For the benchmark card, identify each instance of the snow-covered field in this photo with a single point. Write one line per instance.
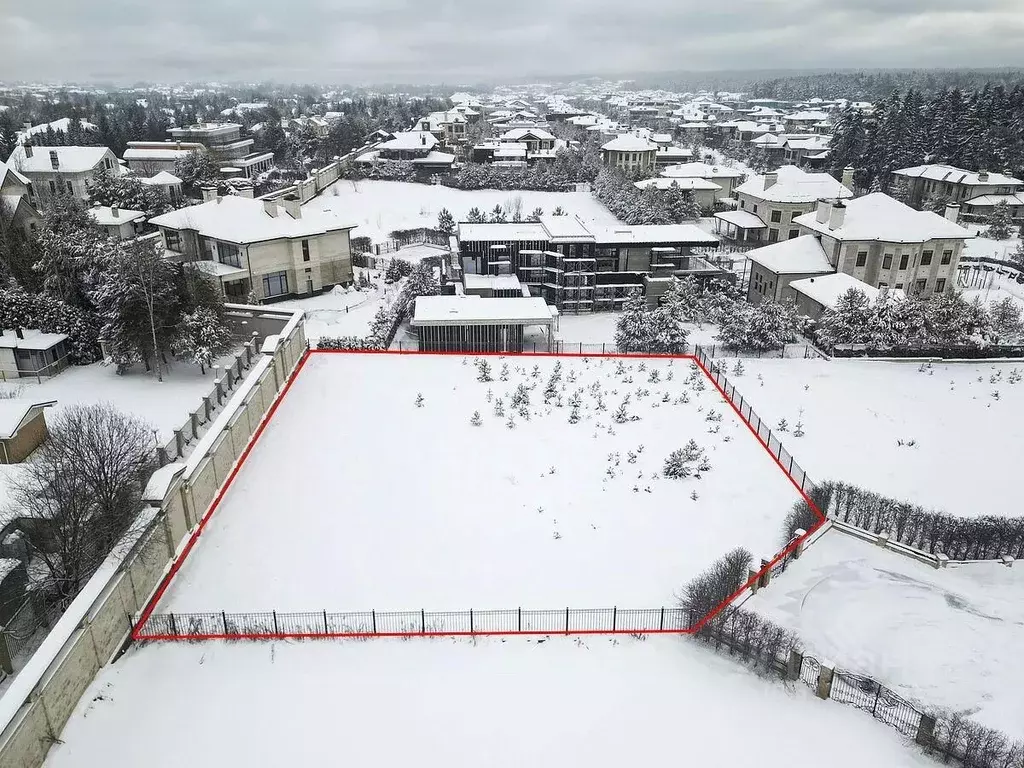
(967, 444)
(355, 498)
(380, 207)
(599, 328)
(163, 405)
(946, 639)
(561, 702)
(343, 313)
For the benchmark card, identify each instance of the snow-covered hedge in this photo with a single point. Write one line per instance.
(51, 315)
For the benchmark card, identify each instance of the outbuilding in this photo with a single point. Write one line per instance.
(22, 428)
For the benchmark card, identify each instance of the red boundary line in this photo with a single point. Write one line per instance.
(137, 630)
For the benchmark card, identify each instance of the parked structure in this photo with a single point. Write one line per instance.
(272, 249)
(769, 205)
(885, 243)
(53, 171)
(22, 428)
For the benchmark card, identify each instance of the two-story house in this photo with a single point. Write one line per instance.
(885, 243)
(769, 205)
(273, 249)
(419, 148)
(630, 153)
(226, 146)
(53, 171)
(16, 210)
(540, 145)
(976, 192)
(726, 179)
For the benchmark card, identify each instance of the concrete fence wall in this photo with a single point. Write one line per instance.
(98, 623)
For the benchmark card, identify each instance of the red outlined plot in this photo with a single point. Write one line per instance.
(652, 622)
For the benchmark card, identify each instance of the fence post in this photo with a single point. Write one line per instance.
(519, 619)
(798, 550)
(567, 620)
(755, 582)
(276, 632)
(326, 630)
(824, 688)
(470, 621)
(794, 665)
(224, 618)
(423, 622)
(216, 381)
(161, 455)
(178, 446)
(208, 406)
(174, 625)
(194, 419)
(615, 613)
(373, 619)
(925, 735)
(766, 573)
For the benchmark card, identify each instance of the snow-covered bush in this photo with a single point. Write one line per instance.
(476, 419)
(483, 369)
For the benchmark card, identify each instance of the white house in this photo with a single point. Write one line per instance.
(167, 183)
(121, 223)
(725, 178)
(273, 249)
(629, 153)
(53, 171)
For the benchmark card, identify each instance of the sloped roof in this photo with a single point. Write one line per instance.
(104, 215)
(794, 186)
(411, 140)
(162, 179)
(799, 255)
(954, 175)
(14, 412)
(700, 171)
(629, 143)
(694, 183)
(69, 159)
(879, 217)
(827, 289)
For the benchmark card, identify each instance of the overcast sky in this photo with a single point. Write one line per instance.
(418, 41)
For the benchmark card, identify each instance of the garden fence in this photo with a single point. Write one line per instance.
(790, 351)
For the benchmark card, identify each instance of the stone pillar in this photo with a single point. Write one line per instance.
(925, 731)
(179, 444)
(766, 573)
(754, 585)
(798, 550)
(941, 560)
(194, 419)
(824, 689)
(207, 407)
(794, 665)
(1006, 560)
(216, 379)
(882, 540)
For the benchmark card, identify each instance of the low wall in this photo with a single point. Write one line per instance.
(98, 623)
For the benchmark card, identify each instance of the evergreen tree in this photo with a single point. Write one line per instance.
(536, 214)
(200, 337)
(446, 222)
(1000, 222)
(422, 282)
(848, 322)
(633, 327)
(195, 170)
(1005, 317)
(684, 300)
(127, 192)
(73, 251)
(475, 216)
(498, 215)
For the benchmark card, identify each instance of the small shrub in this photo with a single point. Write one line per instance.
(476, 421)
(419, 400)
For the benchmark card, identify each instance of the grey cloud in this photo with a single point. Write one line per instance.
(473, 40)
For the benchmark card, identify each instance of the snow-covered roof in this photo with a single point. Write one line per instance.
(566, 228)
(433, 157)
(7, 566)
(628, 143)
(492, 282)
(813, 116)
(741, 219)
(69, 159)
(160, 481)
(667, 152)
(105, 216)
(14, 412)
(477, 310)
(879, 217)
(518, 134)
(411, 140)
(653, 233)
(797, 256)
(826, 290)
(513, 232)
(686, 182)
(990, 200)
(216, 268)
(32, 339)
(7, 171)
(700, 171)
(244, 220)
(954, 175)
(162, 179)
(143, 154)
(794, 185)
(64, 124)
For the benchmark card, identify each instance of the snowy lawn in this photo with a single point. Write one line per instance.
(163, 405)
(991, 287)
(342, 312)
(380, 207)
(947, 639)
(967, 447)
(599, 328)
(598, 702)
(355, 498)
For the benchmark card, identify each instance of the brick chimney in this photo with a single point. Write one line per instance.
(848, 177)
(952, 212)
(209, 194)
(771, 179)
(837, 216)
(824, 209)
(293, 206)
(270, 206)
(983, 175)
(54, 159)
(28, 150)
(114, 212)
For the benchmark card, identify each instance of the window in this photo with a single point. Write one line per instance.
(773, 235)
(903, 260)
(947, 256)
(926, 258)
(940, 285)
(883, 285)
(755, 207)
(862, 258)
(794, 233)
(229, 254)
(920, 285)
(899, 286)
(776, 216)
(887, 261)
(173, 239)
(743, 203)
(53, 188)
(305, 250)
(793, 215)
(71, 189)
(275, 284)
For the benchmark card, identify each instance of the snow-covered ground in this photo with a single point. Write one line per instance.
(163, 405)
(991, 287)
(380, 207)
(355, 498)
(342, 312)
(985, 246)
(947, 639)
(968, 444)
(599, 328)
(516, 702)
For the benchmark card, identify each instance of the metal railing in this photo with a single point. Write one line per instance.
(8, 373)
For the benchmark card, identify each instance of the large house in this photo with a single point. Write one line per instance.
(232, 153)
(629, 153)
(724, 178)
(582, 267)
(273, 249)
(153, 157)
(54, 171)
(415, 147)
(976, 192)
(885, 243)
(769, 205)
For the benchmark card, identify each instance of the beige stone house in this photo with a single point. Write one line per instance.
(53, 171)
(768, 206)
(726, 179)
(274, 249)
(630, 153)
(885, 243)
(976, 192)
(774, 267)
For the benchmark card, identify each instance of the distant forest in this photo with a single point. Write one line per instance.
(874, 86)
